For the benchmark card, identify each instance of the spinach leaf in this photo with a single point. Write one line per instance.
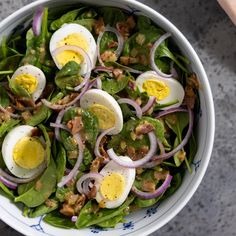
(43, 209)
(4, 99)
(61, 193)
(39, 116)
(91, 129)
(87, 217)
(192, 148)
(17, 89)
(114, 86)
(68, 141)
(2, 162)
(68, 17)
(7, 192)
(47, 182)
(71, 114)
(60, 162)
(48, 142)
(87, 23)
(56, 219)
(146, 202)
(68, 76)
(6, 126)
(111, 223)
(88, 157)
(23, 188)
(112, 15)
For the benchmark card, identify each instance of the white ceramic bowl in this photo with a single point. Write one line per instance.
(148, 220)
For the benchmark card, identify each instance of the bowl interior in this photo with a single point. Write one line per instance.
(143, 221)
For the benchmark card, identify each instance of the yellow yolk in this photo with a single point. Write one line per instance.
(156, 88)
(28, 153)
(75, 39)
(106, 117)
(27, 81)
(112, 186)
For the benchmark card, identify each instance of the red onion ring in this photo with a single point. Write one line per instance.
(71, 103)
(119, 38)
(152, 55)
(19, 180)
(99, 83)
(138, 163)
(74, 218)
(8, 183)
(90, 176)
(134, 104)
(169, 111)
(167, 155)
(149, 104)
(103, 69)
(157, 192)
(60, 126)
(75, 169)
(37, 22)
(7, 112)
(173, 70)
(99, 139)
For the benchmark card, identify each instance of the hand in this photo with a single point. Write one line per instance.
(229, 7)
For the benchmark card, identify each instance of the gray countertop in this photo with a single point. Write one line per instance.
(212, 210)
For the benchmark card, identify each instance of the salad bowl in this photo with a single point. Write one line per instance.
(147, 220)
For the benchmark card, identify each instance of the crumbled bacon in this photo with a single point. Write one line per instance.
(75, 125)
(108, 56)
(99, 26)
(148, 186)
(144, 128)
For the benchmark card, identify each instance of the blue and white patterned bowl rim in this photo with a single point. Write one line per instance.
(147, 220)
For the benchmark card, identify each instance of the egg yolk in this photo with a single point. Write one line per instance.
(106, 117)
(28, 153)
(27, 81)
(75, 39)
(156, 88)
(112, 186)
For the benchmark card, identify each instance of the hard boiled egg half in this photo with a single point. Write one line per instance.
(72, 35)
(166, 90)
(105, 108)
(115, 185)
(31, 78)
(22, 153)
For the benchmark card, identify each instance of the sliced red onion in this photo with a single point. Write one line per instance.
(150, 103)
(7, 112)
(67, 171)
(103, 69)
(37, 22)
(182, 144)
(173, 70)
(99, 82)
(60, 126)
(99, 139)
(119, 38)
(71, 103)
(156, 193)
(134, 104)
(74, 218)
(169, 111)
(138, 163)
(152, 55)
(8, 183)
(90, 176)
(79, 160)
(22, 180)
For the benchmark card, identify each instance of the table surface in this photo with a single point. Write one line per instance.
(212, 209)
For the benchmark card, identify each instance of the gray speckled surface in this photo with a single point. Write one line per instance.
(212, 210)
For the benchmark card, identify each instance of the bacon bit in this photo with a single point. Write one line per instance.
(148, 186)
(181, 155)
(117, 73)
(67, 99)
(99, 26)
(71, 183)
(75, 124)
(79, 203)
(108, 56)
(38, 185)
(27, 102)
(190, 96)
(67, 210)
(143, 60)
(125, 27)
(51, 203)
(92, 193)
(139, 170)
(26, 115)
(96, 164)
(113, 44)
(124, 60)
(160, 175)
(131, 152)
(140, 39)
(133, 60)
(35, 132)
(72, 198)
(131, 22)
(144, 128)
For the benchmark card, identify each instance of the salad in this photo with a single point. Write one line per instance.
(97, 111)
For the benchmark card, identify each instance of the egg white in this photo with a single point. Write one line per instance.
(176, 89)
(68, 29)
(98, 96)
(127, 173)
(35, 72)
(8, 145)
